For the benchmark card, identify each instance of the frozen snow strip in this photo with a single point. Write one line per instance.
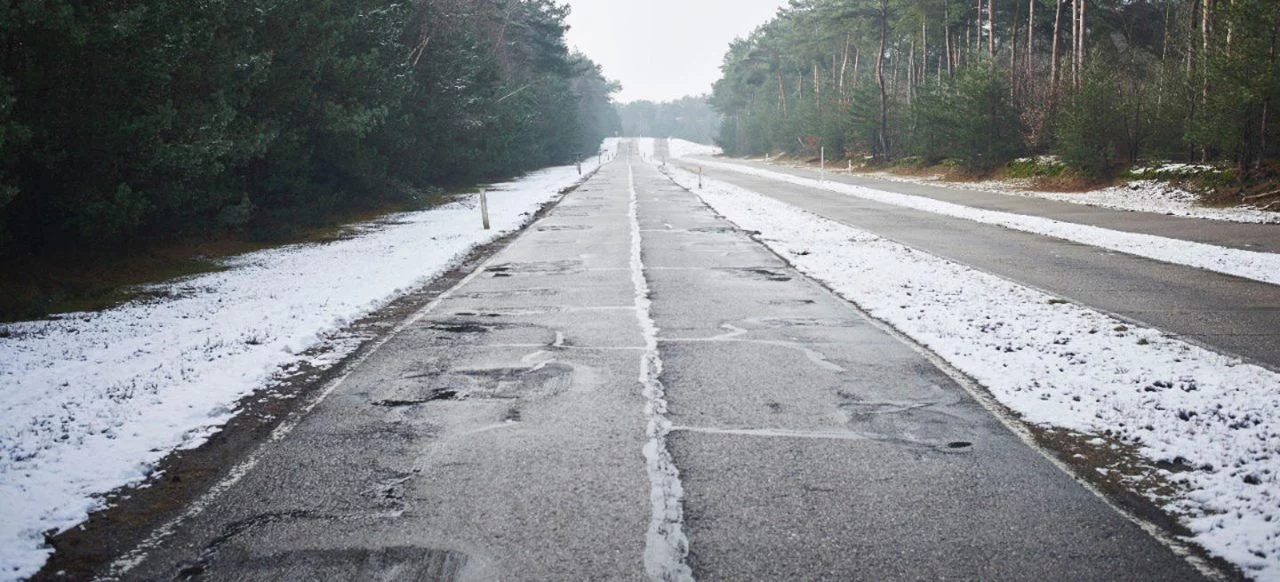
(1212, 417)
(665, 544)
(1263, 267)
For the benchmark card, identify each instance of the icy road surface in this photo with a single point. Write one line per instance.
(636, 389)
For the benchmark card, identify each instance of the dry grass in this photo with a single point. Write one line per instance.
(1069, 183)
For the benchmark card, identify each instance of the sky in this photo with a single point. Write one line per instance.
(663, 49)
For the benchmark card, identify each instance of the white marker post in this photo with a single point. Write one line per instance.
(484, 209)
(822, 164)
(699, 177)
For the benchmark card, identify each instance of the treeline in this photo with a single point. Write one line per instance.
(1103, 83)
(147, 119)
(688, 118)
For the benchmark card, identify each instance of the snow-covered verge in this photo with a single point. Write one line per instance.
(681, 148)
(1062, 365)
(90, 401)
(1156, 196)
(1263, 267)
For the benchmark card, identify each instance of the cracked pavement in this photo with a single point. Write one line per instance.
(500, 435)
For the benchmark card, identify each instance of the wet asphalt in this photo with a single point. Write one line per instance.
(499, 436)
(1227, 314)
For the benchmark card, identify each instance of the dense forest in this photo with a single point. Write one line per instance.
(1102, 83)
(689, 118)
(152, 119)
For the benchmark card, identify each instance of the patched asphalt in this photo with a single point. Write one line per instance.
(499, 436)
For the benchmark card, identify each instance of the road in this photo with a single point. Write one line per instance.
(1227, 314)
(629, 379)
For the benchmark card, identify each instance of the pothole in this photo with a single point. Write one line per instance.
(766, 274)
(459, 327)
(434, 395)
(959, 445)
(555, 228)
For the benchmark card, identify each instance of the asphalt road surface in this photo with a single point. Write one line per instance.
(511, 433)
(1224, 313)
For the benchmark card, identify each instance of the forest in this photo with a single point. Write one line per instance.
(1103, 84)
(688, 118)
(126, 122)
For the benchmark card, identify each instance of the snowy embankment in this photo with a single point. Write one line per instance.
(1154, 196)
(90, 401)
(1258, 266)
(1062, 365)
(682, 148)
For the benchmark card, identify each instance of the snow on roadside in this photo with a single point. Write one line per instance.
(89, 401)
(1157, 197)
(1258, 266)
(1154, 196)
(681, 148)
(1063, 365)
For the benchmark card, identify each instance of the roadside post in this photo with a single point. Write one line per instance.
(484, 209)
(578, 156)
(699, 177)
(822, 164)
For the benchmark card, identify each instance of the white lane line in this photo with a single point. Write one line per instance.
(666, 546)
(1264, 267)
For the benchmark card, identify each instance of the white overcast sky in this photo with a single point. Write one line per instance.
(663, 49)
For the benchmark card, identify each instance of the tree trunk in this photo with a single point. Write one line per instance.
(1013, 52)
(857, 64)
(1206, 31)
(1053, 59)
(1075, 42)
(1164, 58)
(1266, 103)
(911, 71)
(924, 48)
(884, 96)
(782, 92)
(946, 29)
(1084, 33)
(977, 44)
(817, 92)
(844, 68)
(991, 34)
(1230, 30)
(1031, 38)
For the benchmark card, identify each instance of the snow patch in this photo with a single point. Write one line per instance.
(1142, 195)
(682, 148)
